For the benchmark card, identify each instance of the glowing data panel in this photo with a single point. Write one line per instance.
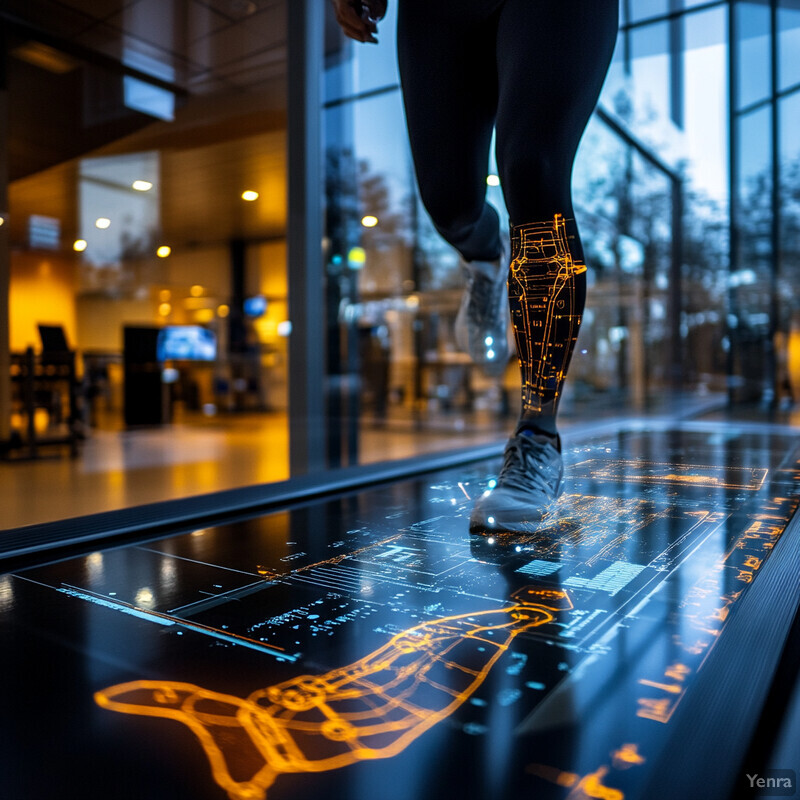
(370, 647)
(545, 308)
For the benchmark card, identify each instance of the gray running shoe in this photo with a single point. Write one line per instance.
(531, 480)
(482, 321)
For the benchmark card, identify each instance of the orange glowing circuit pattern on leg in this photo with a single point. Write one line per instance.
(373, 708)
(543, 298)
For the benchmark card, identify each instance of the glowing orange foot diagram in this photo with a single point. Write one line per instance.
(373, 708)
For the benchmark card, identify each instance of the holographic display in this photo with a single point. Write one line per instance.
(369, 646)
(545, 309)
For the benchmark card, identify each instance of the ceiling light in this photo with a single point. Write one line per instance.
(102, 223)
(196, 290)
(163, 251)
(492, 180)
(223, 311)
(79, 245)
(142, 186)
(369, 221)
(165, 309)
(249, 195)
(46, 57)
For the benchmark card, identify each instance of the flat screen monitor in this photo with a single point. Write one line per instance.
(186, 343)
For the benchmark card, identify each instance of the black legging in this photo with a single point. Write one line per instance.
(533, 69)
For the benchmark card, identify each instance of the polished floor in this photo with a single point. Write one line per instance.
(370, 647)
(120, 468)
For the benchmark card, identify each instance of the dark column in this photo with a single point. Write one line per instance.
(5, 266)
(676, 288)
(237, 340)
(304, 236)
(731, 331)
(676, 48)
(776, 324)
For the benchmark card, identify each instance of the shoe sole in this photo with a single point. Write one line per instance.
(507, 525)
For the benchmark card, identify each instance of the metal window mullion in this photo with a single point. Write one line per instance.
(307, 428)
(775, 226)
(733, 187)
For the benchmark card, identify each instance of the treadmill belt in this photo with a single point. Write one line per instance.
(369, 647)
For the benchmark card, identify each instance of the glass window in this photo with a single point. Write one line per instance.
(651, 76)
(393, 291)
(353, 68)
(789, 115)
(753, 52)
(623, 205)
(165, 267)
(788, 44)
(752, 282)
(644, 9)
(706, 104)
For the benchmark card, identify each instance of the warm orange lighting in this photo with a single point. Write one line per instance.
(79, 245)
(163, 251)
(250, 195)
(142, 186)
(204, 315)
(2, 220)
(627, 756)
(196, 290)
(165, 295)
(223, 311)
(165, 309)
(369, 221)
(102, 223)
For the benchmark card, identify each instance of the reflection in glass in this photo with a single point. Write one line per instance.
(788, 44)
(753, 57)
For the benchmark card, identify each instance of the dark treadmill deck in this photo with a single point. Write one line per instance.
(368, 647)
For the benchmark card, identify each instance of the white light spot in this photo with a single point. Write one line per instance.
(144, 597)
(490, 353)
(490, 520)
(488, 341)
